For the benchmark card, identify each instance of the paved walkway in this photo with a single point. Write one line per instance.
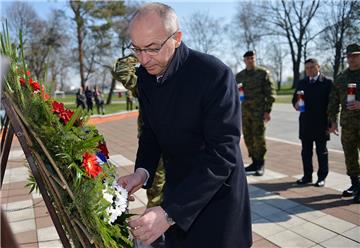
(283, 214)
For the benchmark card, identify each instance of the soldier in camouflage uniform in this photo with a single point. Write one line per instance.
(124, 71)
(256, 107)
(349, 117)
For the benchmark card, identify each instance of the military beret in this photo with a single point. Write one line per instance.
(249, 53)
(353, 48)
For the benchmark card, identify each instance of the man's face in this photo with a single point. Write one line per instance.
(250, 62)
(353, 61)
(148, 32)
(312, 69)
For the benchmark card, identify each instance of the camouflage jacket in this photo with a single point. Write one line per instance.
(124, 71)
(258, 90)
(338, 97)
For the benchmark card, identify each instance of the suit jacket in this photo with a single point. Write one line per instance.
(193, 118)
(314, 123)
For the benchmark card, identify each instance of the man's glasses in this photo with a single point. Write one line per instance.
(150, 51)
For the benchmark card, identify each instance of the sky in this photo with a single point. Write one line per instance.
(224, 9)
(219, 8)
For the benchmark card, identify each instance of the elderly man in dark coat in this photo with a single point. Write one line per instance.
(313, 121)
(191, 112)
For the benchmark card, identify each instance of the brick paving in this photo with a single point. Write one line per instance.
(283, 213)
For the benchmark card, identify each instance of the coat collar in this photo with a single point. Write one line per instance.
(318, 78)
(179, 58)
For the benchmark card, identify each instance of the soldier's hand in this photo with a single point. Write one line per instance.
(267, 117)
(353, 105)
(133, 182)
(334, 129)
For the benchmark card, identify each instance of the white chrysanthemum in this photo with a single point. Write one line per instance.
(118, 200)
(107, 196)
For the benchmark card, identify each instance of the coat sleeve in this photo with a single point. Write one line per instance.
(269, 92)
(334, 101)
(221, 131)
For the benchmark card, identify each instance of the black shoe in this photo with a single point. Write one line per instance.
(357, 196)
(251, 168)
(260, 171)
(304, 180)
(348, 192)
(320, 183)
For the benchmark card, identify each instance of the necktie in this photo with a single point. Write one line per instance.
(312, 81)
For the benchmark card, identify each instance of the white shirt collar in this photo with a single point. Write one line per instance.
(316, 77)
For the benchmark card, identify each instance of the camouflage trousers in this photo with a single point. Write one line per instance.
(155, 193)
(253, 127)
(350, 140)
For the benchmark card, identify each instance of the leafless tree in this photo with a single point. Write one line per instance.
(342, 26)
(291, 19)
(42, 40)
(204, 32)
(22, 16)
(276, 54)
(249, 25)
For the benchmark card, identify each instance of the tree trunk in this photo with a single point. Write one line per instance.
(296, 73)
(81, 55)
(337, 58)
(113, 83)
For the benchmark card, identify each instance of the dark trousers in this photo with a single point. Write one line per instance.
(322, 155)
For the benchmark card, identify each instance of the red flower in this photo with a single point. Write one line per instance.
(22, 81)
(45, 95)
(66, 115)
(28, 73)
(91, 165)
(57, 107)
(34, 85)
(103, 149)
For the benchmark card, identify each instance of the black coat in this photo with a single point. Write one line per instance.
(313, 123)
(193, 118)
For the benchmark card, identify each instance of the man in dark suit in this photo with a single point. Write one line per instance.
(313, 121)
(189, 103)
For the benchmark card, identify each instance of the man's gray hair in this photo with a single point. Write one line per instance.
(165, 12)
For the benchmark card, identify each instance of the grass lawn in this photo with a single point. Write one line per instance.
(283, 99)
(109, 109)
(283, 96)
(117, 106)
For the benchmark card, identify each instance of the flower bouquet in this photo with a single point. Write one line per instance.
(71, 157)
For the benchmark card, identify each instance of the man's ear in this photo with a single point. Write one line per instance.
(178, 38)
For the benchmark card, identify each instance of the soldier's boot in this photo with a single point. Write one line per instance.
(357, 192)
(260, 170)
(357, 196)
(252, 167)
(353, 188)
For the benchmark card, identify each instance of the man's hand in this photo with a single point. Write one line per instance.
(334, 129)
(267, 117)
(150, 225)
(133, 182)
(353, 105)
(296, 106)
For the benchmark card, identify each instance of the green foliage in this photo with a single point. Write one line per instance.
(67, 140)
